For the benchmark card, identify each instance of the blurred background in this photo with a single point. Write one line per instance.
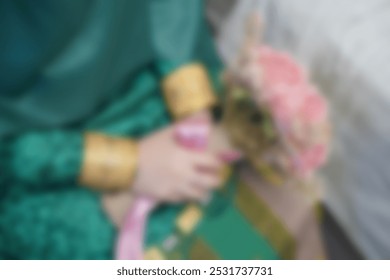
(344, 44)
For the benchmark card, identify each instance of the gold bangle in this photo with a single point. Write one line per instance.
(109, 162)
(188, 90)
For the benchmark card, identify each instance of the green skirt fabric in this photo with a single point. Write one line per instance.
(71, 224)
(236, 224)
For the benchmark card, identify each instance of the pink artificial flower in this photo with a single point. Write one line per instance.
(280, 69)
(285, 103)
(299, 111)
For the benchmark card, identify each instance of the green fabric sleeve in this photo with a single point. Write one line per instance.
(181, 35)
(41, 159)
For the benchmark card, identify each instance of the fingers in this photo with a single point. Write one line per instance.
(190, 192)
(198, 175)
(230, 156)
(196, 185)
(206, 181)
(206, 161)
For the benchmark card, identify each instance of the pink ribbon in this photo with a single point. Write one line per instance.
(130, 240)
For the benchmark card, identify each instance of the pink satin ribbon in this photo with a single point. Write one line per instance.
(130, 240)
(192, 134)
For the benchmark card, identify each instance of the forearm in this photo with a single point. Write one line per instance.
(60, 158)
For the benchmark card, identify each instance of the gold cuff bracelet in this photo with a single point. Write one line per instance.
(188, 90)
(109, 162)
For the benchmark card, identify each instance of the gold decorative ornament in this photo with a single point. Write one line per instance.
(109, 162)
(189, 219)
(188, 90)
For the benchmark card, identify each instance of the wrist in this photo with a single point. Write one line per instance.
(109, 163)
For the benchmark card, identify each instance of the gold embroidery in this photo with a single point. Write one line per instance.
(188, 90)
(188, 219)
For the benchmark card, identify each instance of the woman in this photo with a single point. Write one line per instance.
(88, 92)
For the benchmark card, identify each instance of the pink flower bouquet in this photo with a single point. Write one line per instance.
(285, 132)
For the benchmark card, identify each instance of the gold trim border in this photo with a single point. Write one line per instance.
(265, 221)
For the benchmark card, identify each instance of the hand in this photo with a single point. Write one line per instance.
(171, 173)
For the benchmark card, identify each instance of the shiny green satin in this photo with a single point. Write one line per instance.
(63, 62)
